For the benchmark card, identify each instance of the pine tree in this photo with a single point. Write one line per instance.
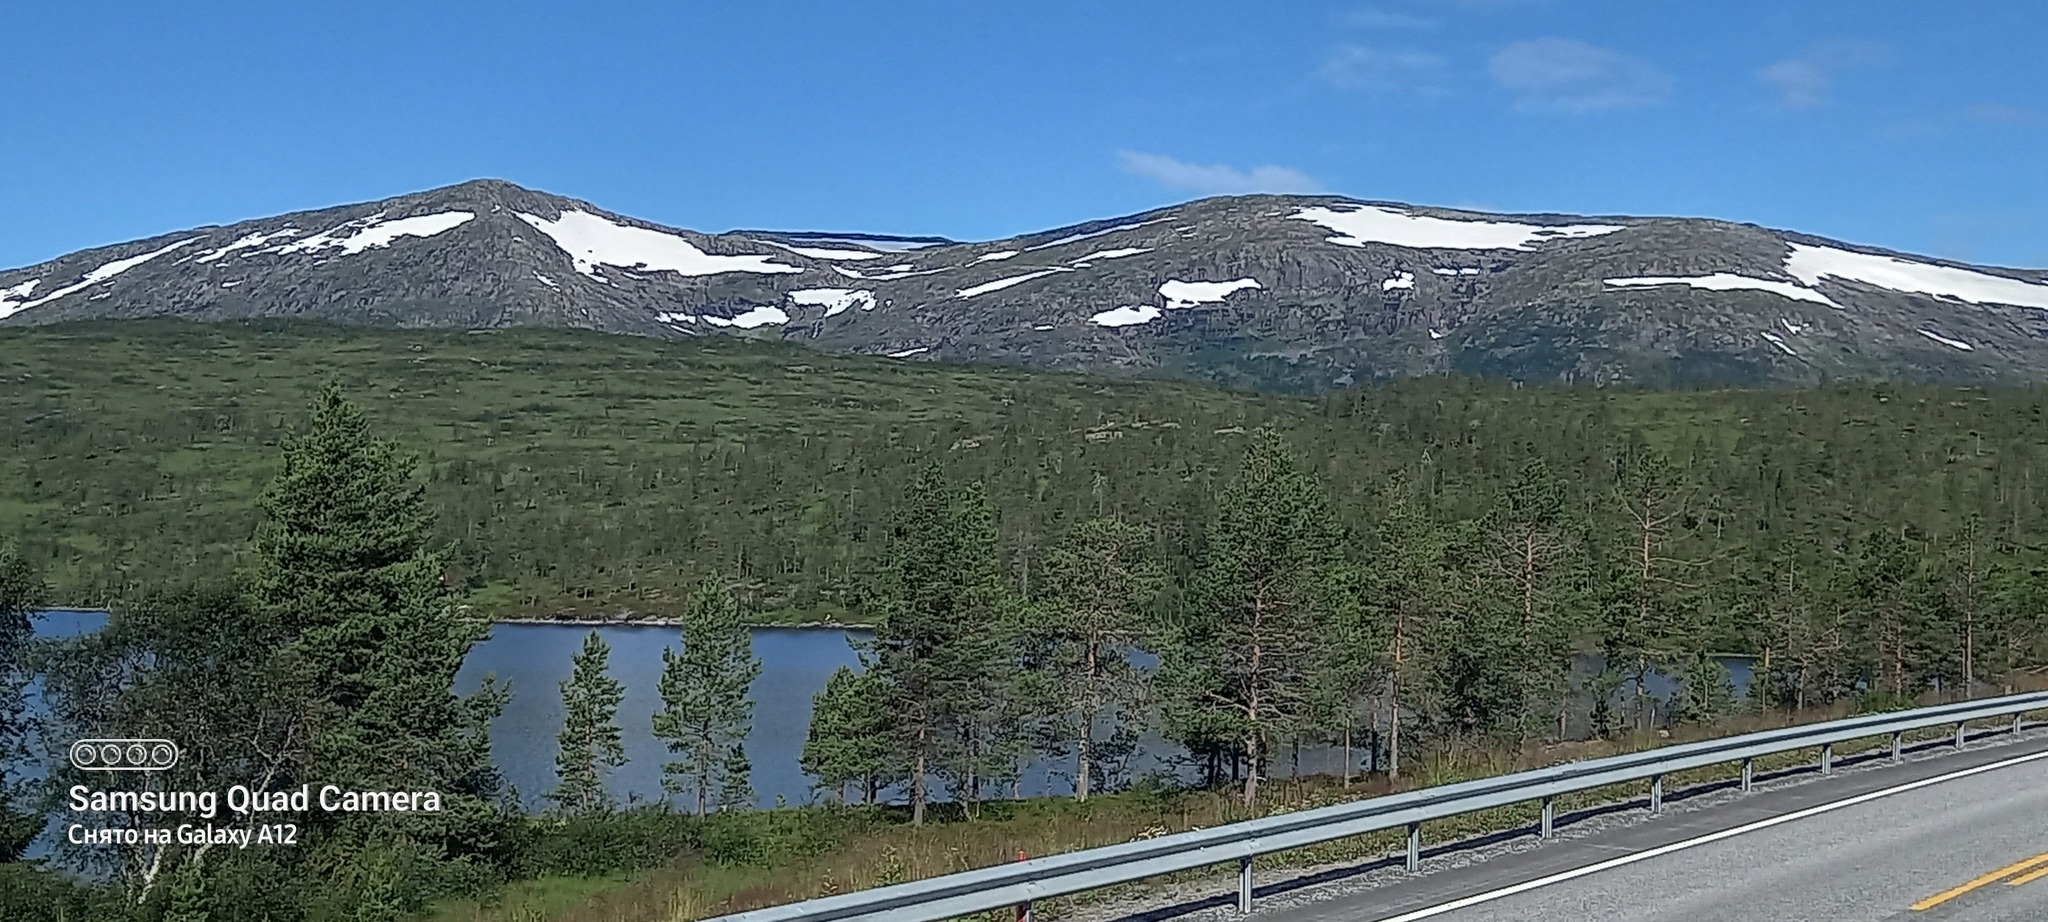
(1264, 594)
(590, 744)
(1528, 561)
(1099, 582)
(1405, 583)
(706, 713)
(849, 740)
(735, 790)
(1651, 615)
(941, 607)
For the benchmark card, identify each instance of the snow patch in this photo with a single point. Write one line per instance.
(834, 300)
(758, 317)
(12, 299)
(1076, 238)
(94, 277)
(363, 233)
(999, 254)
(591, 241)
(1810, 264)
(1775, 341)
(673, 317)
(1042, 327)
(1465, 271)
(1404, 280)
(823, 253)
(243, 243)
(1727, 281)
(1365, 224)
(546, 281)
(1957, 343)
(909, 352)
(1436, 334)
(1790, 327)
(1000, 284)
(1118, 253)
(231, 284)
(1126, 316)
(1179, 294)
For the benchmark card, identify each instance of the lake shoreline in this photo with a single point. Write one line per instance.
(673, 622)
(582, 622)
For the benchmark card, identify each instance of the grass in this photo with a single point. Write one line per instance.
(883, 853)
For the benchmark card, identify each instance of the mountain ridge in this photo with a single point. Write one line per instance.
(1290, 292)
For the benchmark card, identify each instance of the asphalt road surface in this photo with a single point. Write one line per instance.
(1960, 838)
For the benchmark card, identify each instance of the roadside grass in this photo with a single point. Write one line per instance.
(877, 854)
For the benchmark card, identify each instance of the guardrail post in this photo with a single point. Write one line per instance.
(1549, 817)
(1414, 847)
(2016, 718)
(1959, 734)
(1024, 908)
(1748, 774)
(1656, 793)
(1827, 759)
(1898, 744)
(1244, 885)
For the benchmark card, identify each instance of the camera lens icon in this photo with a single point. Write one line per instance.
(124, 755)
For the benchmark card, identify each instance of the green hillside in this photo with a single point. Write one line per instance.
(584, 473)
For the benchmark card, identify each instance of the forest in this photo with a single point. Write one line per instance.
(1409, 570)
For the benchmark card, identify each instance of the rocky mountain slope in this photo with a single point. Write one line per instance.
(1293, 292)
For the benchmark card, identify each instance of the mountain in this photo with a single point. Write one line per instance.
(1285, 292)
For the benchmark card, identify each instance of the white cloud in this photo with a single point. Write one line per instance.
(1566, 75)
(1803, 82)
(1216, 179)
(1379, 70)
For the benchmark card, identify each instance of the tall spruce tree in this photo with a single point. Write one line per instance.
(706, 713)
(20, 592)
(352, 599)
(849, 741)
(590, 744)
(1265, 591)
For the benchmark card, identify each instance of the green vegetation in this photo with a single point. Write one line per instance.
(1405, 572)
(590, 744)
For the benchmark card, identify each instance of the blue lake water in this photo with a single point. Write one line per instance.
(535, 659)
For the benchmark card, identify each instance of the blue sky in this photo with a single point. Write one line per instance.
(1917, 126)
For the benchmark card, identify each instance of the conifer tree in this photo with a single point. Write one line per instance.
(20, 591)
(1405, 584)
(706, 713)
(1099, 581)
(849, 740)
(1264, 594)
(942, 619)
(352, 599)
(1528, 562)
(590, 744)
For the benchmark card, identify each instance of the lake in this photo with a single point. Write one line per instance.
(535, 659)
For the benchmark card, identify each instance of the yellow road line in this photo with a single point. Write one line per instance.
(1991, 878)
(2028, 877)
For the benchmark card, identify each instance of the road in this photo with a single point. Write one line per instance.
(1959, 838)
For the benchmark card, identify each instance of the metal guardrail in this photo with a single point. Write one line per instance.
(1010, 885)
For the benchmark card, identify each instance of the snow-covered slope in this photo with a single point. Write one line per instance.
(1277, 291)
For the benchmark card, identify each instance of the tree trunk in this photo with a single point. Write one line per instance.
(1255, 751)
(917, 792)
